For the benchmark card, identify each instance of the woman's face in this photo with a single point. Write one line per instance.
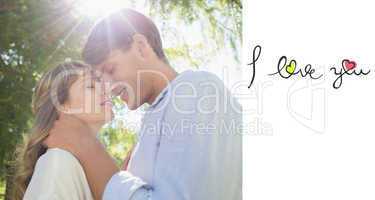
(89, 100)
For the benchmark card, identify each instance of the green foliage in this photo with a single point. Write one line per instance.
(118, 142)
(31, 40)
(220, 24)
(117, 139)
(38, 34)
(2, 190)
(27, 39)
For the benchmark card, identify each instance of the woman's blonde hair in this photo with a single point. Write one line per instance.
(51, 91)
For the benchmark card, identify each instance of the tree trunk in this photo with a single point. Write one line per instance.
(9, 182)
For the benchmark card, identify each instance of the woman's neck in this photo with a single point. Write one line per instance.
(95, 127)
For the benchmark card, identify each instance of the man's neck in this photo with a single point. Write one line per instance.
(167, 74)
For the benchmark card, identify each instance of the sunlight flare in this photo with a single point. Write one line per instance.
(95, 8)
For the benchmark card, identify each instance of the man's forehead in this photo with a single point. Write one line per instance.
(107, 60)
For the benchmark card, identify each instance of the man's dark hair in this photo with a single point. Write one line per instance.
(116, 32)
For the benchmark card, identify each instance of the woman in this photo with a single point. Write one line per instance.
(54, 173)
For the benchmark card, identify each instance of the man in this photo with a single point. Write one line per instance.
(189, 145)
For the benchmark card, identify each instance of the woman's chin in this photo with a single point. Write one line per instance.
(108, 119)
(100, 120)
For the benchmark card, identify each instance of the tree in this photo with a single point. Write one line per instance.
(25, 51)
(37, 34)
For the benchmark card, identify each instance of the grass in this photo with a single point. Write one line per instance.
(2, 190)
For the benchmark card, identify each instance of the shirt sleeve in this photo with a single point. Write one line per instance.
(124, 186)
(58, 175)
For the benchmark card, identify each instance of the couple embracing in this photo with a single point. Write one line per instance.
(190, 143)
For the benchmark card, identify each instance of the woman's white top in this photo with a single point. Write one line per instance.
(58, 175)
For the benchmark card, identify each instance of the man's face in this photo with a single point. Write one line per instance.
(122, 68)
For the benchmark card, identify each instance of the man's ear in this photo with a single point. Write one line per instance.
(142, 46)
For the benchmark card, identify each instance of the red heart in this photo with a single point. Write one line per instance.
(349, 65)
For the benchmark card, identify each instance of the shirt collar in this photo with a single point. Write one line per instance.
(160, 96)
(164, 92)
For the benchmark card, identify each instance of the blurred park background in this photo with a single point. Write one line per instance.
(38, 34)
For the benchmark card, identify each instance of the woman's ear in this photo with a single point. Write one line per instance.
(141, 45)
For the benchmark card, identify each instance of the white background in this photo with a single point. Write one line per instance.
(320, 142)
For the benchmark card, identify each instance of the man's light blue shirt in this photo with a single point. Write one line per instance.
(189, 146)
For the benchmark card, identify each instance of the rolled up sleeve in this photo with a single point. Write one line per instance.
(125, 186)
